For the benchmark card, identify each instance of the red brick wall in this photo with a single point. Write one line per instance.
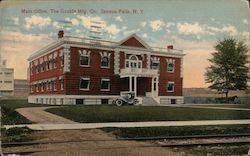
(46, 74)
(94, 72)
(133, 42)
(167, 76)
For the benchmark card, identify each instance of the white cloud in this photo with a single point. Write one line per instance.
(156, 25)
(129, 32)
(189, 28)
(16, 20)
(56, 25)
(229, 29)
(169, 24)
(245, 21)
(124, 28)
(77, 31)
(145, 35)
(75, 21)
(88, 21)
(143, 24)
(118, 18)
(112, 29)
(35, 20)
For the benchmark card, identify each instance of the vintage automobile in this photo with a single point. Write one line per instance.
(126, 98)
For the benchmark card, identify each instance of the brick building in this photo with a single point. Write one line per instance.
(76, 70)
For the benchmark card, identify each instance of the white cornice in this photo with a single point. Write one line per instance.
(112, 46)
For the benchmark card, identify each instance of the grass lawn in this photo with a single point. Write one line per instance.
(177, 131)
(228, 105)
(9, 115)
(105, 113)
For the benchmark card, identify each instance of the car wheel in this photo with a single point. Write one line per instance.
(119, 102)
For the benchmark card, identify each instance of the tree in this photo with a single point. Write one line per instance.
(228, 70)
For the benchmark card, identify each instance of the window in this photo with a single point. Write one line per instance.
(37, 68)
(155, 63)
(54, 85)
(62, 60)
(31, 88)
(50, 85)
(42, 86)
(37, 87)
(105, 62)
(50, 64)
(170, 87)
(54, 62)
(84, 84)
(105, 84)
(170, 65)
(47, 86)
(42, 66)
(84, 60)
(105, 101)
(61, 83)
(7, 81)
(47, 65)
(79, 101)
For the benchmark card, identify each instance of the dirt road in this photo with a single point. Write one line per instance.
(39, 115)
(93, 148)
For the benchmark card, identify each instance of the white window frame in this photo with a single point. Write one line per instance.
(61, 81)
(84, 78)
(55, 85)
(41, 84)
(105, 79)
(31, 88)
(61, 56)
(137, 62)
(170, 61)
(170, 82)
(37, 89)
(84, 53)
(108, 62)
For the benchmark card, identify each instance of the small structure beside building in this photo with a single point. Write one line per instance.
(75, 70)
(6, 79)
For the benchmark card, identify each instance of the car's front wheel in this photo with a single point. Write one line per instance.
(119, 102)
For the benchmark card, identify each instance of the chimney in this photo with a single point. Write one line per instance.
(60, 34)
(170, 47)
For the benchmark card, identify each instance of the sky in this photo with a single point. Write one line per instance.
(193, 26)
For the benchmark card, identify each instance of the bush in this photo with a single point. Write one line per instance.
(17, 134)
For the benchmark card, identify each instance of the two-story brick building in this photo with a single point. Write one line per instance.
(76, 70)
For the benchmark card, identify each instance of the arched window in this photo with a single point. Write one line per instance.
(105, 61)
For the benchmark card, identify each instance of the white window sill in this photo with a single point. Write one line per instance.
(84, 89)
(105, 90)
(170, 91)
(84, 65)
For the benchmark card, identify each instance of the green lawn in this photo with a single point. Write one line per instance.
(136, 113)
(9, 115)
(228, 105)
(177, 131)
